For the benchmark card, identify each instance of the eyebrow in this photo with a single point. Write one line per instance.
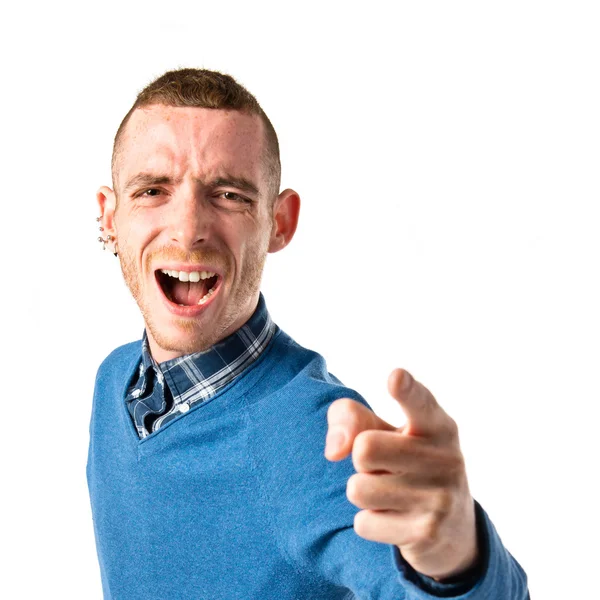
(149, 179)
(237, 182)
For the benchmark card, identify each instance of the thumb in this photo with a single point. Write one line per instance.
(346, 418)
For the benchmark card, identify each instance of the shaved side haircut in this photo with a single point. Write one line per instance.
(202, 88)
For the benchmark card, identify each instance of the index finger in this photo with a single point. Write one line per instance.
(425, 417)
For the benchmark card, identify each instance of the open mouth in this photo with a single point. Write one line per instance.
(187, 288)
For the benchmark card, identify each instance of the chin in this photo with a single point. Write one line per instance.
(179, 330)
(183, 336)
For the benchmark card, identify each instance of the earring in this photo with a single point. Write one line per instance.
(108, 238)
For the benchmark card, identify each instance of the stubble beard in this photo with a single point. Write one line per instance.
(195, 337)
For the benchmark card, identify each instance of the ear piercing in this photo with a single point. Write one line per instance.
(108, 239)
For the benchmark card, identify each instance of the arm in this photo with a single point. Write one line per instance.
(497, 575)
(412, 484)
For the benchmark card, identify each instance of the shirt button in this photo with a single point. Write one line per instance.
(183, 408)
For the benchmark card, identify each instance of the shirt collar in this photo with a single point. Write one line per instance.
(203, 373)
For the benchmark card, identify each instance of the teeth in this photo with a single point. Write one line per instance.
(207, 296)
(193, 276)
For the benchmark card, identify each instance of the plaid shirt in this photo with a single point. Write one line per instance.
(161, 392)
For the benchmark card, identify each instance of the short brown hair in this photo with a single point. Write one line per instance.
(202, 88)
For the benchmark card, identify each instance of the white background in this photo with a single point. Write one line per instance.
(447, 155)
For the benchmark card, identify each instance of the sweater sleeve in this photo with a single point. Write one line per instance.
(498, 575)
(314, 523)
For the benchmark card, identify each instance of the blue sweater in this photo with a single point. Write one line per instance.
(235, 499)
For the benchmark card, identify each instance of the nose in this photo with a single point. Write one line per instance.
(190, 219)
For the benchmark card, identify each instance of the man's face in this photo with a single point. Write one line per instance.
(192, 193)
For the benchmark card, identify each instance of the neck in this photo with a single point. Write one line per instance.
(191, 340)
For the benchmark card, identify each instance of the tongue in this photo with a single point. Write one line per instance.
(187, 292)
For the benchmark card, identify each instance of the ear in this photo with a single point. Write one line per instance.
(286, 210)
(107, 203)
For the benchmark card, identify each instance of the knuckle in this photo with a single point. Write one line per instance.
(361, 523)
(430, 529)
(452, 427)
(455, 465)
(354, 490)
(351, 489)
(444, 503)
(363, 448)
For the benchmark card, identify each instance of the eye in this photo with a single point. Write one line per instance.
(150, 192)
(233, 197)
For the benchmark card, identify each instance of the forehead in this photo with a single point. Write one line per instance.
(203, 142)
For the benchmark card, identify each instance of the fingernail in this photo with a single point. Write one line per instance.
(334, 442)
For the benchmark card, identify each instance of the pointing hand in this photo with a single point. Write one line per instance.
(411, 481)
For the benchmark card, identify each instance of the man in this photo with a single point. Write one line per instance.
(207, 471)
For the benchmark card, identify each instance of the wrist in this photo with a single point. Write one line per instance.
(462, 571)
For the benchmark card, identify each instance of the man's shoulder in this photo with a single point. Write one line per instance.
(120, 359)
(295, 361)
(304, 374)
